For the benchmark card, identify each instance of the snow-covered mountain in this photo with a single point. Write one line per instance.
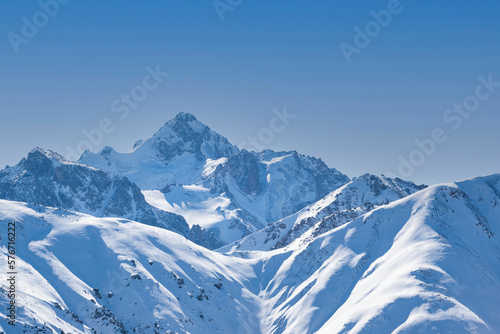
(111, 244)
(45, 178)
(82, 274)
(428, 263)
(188, 169)
(425, 263)
(348, 202)
(175, 154)
(248, 190)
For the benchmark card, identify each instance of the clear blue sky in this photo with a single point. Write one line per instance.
(358, 117)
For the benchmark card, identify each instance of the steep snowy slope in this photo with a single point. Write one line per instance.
(358, 197)
(427, 263)
(45, 178)
(78, 273)
(199, 206)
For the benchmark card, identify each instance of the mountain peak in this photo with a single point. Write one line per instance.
(183, 126)
(39, 156)
(39, 162)
(185, 117)
(180, 149)
(38, 152)
(184, 134)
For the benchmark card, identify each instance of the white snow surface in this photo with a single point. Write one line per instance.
(426, 263)
(199, 207)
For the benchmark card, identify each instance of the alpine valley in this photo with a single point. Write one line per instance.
(186, 233)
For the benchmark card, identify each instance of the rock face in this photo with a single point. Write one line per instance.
(46, 178)
(275, 184)
(244, 169)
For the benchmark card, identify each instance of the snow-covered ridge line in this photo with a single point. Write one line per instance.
(352, 200)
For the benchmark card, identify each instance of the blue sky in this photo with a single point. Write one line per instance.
(359, 117)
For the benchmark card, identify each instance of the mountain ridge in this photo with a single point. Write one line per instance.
(359, 196)
(185, 159)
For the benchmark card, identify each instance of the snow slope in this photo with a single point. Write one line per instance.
(201, 207)
(130, 277)
(426, 263)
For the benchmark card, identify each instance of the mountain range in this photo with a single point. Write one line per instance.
(186, 233)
